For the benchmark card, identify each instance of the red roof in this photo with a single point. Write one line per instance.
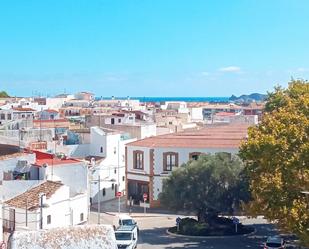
(50, 111)
(43, 158)
(22, 109)
(228, 136)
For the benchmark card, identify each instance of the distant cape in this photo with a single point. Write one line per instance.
(258, 97)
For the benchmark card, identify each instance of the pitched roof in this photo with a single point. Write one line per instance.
(23, 109)
(32, 195)
(50, 111)
(224, 136)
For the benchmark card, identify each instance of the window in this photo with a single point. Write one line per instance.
(104, 191)
(101, 149)
(81, 217)
(48, 219)
(2, 117)
(113, 186)
(194, 155)
(138, 159)
(170, 122)
(115, 171)
(123, 178)
(119, 120)
(9, 116)
(170, 160)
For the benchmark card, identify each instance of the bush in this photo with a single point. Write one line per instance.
(219, 226)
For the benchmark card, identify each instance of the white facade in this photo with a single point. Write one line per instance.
(111, 169)
(61, 210)
(196, 114)
(74, 175)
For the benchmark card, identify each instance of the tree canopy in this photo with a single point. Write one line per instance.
(206, 186)
(3, 94)
(276, 155)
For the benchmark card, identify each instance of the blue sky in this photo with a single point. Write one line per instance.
(152, 47)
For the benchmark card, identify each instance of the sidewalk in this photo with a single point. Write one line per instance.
(110, 207)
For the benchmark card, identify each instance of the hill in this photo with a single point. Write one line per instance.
(3, 94)
(248, 98)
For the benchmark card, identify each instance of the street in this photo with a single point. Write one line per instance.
(153, 233)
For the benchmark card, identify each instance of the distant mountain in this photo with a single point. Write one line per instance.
(248, 98)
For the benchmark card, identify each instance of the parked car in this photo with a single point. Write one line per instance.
(275, 242)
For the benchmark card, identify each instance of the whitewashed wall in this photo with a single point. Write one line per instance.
(98, 140)
(130, 159)
(74, 175)
(148, 130)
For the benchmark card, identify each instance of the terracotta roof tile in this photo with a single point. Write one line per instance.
(23, 109)
(211, 137)
(49, 188)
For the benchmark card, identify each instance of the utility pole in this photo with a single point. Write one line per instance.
(41, 124)
(99, 199)
(27, 212)
(118, 180)
(41, 210)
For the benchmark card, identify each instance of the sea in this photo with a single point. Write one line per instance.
(164, 99)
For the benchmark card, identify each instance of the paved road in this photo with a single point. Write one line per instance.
(153, 231)
(153, 234)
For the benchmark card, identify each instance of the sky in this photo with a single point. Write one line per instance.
(152, 47)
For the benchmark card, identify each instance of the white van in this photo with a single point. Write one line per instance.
(126, 237)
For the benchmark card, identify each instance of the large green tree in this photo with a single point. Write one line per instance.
(276, 155)
(206, 186)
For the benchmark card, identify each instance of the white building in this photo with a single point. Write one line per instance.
(150, 160)
(27, 173)
(47, 205)
(125, 122)
(84, 96)
(108, 147)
